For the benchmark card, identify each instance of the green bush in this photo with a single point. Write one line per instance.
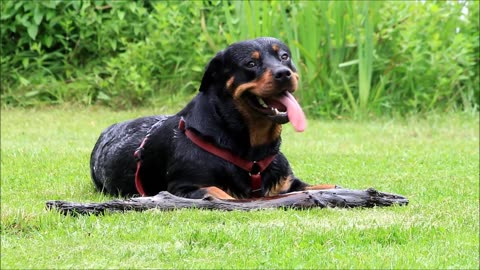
(354, 58)
(49, 47)
(169, 61)
(429, 56)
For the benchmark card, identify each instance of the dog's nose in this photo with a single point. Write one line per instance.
(282, 74)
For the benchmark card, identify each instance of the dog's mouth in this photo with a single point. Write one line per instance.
(281, 109)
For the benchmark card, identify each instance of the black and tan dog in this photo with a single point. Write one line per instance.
(224, 143)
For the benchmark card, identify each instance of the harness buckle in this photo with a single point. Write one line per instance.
(138, 152)
(255, 170)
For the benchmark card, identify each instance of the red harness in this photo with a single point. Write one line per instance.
(254, 168)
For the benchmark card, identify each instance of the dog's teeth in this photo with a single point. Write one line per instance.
(277, 112)
(262, 102)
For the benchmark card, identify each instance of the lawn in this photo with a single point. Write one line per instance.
(432, 160)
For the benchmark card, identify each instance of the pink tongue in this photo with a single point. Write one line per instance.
(294, 112)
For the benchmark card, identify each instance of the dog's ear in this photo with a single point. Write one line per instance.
(213, 72)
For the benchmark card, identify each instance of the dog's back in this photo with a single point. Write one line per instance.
(112, 162)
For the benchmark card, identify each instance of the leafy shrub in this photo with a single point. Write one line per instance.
(169, 61)
(45, 41)
(429, 56)
(353, 57)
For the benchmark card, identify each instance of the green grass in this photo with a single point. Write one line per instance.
(433, 160)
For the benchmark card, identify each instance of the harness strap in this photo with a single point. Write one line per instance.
(254, 168)
(138, 157)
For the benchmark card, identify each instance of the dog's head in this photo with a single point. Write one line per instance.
(260, 77)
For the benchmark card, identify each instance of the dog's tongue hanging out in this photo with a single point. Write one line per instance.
(294, 111)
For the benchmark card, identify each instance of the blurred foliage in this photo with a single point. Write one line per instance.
(362, 57)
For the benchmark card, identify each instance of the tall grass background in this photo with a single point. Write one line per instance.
(354, 58)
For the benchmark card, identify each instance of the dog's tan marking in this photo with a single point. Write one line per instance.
(230, 82)
(262, 87)
(297, 78)
(262, 130)
(320, 187)
(217, 193)
(275, 48)
(282, 186)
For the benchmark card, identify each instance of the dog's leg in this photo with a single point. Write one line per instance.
(321, 186)
(290, 184)
(299, 185)
(209, 191)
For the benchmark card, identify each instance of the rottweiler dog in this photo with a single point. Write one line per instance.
(225, 143)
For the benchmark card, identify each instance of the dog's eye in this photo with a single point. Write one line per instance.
(251, 64)
(284, 57)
